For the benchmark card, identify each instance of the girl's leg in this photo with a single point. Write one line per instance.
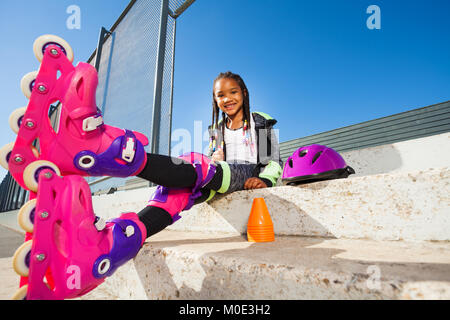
(168, 201)
(155, 219)
(227, 178)
(168, 171)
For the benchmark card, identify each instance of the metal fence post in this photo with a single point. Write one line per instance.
(9, 197)
(3, 194)
(101, 40)
(24, 197)
(171, 85)
(156, 116)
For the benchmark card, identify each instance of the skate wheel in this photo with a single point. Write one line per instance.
(15, 119)
(5, 153)
(31, 173)
(27, 83)
(20, 294)
(43, 41)
(25, 218)
(21, 259)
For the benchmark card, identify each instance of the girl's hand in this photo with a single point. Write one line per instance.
(218, 155)
(254, 183)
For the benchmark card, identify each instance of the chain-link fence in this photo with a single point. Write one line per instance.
(136, 70)
(135, 90)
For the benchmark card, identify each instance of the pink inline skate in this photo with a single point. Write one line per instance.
(68, 255)
(176, 200)
(69, 252)
(81, 144)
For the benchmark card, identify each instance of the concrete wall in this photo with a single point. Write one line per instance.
(343, 231)
(400, 191)
(411, 155)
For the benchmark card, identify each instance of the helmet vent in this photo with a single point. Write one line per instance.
(291, 164)
(316, 156)
(302, 153)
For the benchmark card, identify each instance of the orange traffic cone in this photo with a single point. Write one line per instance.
(260, 225)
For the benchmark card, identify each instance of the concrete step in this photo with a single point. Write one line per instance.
(134, 182)
(191, 265)
(412, 206)
(334, 239)
(405, 156)
(10, 240)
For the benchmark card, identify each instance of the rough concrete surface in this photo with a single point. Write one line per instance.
(383, 233)
(10, 240)
(412, 206)
(190, 265)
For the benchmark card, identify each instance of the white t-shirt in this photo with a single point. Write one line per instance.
(237, 150)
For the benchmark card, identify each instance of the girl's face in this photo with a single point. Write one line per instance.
(229, 96)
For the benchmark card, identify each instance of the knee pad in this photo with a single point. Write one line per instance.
(175, 200)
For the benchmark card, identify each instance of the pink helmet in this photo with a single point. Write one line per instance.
(315, 163)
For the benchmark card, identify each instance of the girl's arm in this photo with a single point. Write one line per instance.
(218, 155)
(255, 183)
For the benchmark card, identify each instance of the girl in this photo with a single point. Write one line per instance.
(243, 154)
(243, 151)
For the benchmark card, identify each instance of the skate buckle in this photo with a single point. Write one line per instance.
(129, 231)
(128, 152)
(92, 123)
(100, 223)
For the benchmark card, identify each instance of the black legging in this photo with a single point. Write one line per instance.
(174, 173)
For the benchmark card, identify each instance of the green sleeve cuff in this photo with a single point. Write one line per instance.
(226, 179)
(212, 193)
(272, 171)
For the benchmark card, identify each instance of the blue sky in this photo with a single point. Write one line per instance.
(312, 65)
